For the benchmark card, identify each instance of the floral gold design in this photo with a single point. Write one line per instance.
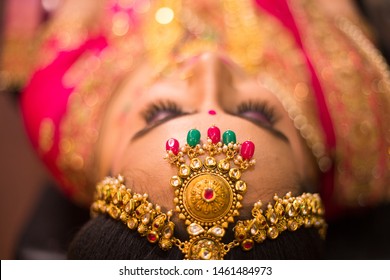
(208, 198)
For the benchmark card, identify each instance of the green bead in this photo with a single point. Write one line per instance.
(193, 137)
(229, 137)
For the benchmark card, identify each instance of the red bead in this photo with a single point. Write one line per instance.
(172, 145)
(247, 150)
(214, 134)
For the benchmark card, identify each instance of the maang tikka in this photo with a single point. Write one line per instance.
(208, 191)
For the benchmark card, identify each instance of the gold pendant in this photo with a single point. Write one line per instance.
(208, 192)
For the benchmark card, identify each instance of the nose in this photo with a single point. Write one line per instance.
(211, 80)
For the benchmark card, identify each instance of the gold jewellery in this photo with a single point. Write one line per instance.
(208, 195)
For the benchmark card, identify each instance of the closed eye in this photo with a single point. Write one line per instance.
(262, 115)
(159, 111)
(258, 112)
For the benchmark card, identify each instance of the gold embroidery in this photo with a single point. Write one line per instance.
(46, 135)
(355, 81)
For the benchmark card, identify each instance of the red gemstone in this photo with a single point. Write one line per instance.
(214, 134)
(172, 145)
(247, 150)
(248, 244)
(208, 194)
(152, 237)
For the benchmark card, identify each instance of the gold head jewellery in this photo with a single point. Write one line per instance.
(208, 195)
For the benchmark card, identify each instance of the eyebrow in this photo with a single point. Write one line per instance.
(268, 128)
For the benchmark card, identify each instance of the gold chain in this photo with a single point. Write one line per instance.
(353, 32)
(134, 210)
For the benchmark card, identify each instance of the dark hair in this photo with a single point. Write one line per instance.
(106, 238)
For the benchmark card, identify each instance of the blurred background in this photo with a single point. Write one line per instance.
(24, 182)
(22, 177)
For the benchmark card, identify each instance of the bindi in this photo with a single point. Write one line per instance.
(212, 112)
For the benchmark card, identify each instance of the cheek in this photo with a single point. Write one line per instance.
(275, 172)
(306, 165)
(145, 168)
(148, 172)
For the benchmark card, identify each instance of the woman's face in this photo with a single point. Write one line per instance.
(146, 112)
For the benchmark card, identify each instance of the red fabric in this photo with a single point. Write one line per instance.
(45, 96)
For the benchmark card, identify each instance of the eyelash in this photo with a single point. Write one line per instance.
(162, 106)
(153, 111)
(259, 107)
